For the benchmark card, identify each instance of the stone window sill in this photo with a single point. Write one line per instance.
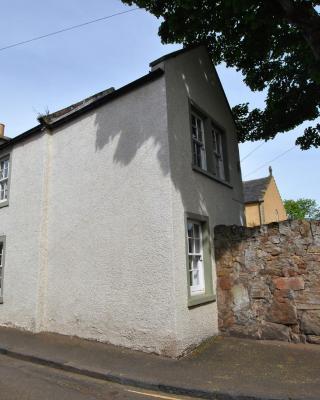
(4, 203)
(211, 176)
(202, 299)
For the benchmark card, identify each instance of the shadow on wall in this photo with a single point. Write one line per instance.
(132, 114)
(132, 118)
(269, 281)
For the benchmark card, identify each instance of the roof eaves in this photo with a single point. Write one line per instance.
(254, 201)
(22, 136)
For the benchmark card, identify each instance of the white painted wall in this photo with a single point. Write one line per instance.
(21, 223)
(110, 273)
(192, 76)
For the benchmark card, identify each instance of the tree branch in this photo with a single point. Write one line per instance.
(306, 19)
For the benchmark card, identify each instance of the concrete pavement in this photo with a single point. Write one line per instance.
(223, 368)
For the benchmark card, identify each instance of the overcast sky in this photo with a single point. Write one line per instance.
(54, 72)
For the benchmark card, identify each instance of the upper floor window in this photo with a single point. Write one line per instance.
(218, 151)
(198, 141)
(209, 152)
(4, 179)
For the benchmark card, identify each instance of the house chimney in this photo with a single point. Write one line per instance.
(2, 126)
(270, 171)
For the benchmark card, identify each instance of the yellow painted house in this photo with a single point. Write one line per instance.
(263, 203)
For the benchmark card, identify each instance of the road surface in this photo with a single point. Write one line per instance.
(20, 380)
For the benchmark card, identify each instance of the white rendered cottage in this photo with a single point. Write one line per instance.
(108, 209)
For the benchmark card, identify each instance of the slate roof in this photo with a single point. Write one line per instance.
(254, 190)
(56, 116)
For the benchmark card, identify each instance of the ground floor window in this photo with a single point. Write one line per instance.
(2, 255)
(199, 260)
(195, 252)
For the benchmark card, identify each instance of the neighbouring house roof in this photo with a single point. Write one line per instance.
(4, 139)
(255, 189)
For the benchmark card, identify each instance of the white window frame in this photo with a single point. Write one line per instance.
(198, 141)
(218, 152)
(4, 179)
(2, 262)
(195, 259)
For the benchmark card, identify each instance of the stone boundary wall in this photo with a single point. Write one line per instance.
(268, 282)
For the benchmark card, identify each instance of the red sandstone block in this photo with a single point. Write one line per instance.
(224, 283)
(293, 283)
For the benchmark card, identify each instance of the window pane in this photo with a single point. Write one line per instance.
(1, 267)
(2, 191)
(194, 153)
(199, 128)
(197, 248)
(191, 245)
(191, 278)
(198, 156)
(196, 278)
(196, 228)
(197, 262)
(221, 169)
(219, 143)
(214, 139)
(190, 229)
(4, 169)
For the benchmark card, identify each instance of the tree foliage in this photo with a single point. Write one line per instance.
(274, 43)
(302, 209)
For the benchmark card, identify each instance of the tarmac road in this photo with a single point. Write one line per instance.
(20, 380)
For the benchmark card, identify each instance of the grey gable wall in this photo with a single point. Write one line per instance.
(22, 223)
(191, 76)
